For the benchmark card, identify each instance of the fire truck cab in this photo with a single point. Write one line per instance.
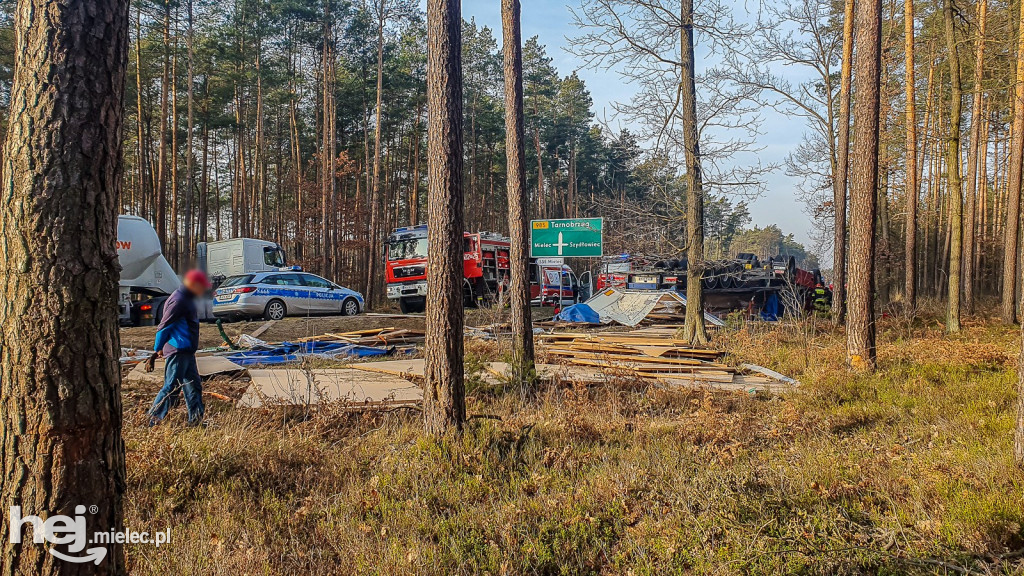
(485, 267)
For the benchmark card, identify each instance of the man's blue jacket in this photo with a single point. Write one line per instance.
(179, 328)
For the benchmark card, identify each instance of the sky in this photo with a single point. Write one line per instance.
(552, 22)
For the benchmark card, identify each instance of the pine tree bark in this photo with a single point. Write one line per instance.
(444, 397)
(60, 402)
(414, 186)
(142, 149)
(1013, 190)
(694, 330)
(954, 182)
(375, 199)
(518, 200)
(912, 175)
(840, 181)
(161, 167)
(189, 133)
(860, 321)
(971, 196)
(173, 249)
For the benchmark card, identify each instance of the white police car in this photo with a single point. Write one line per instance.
(274, 295)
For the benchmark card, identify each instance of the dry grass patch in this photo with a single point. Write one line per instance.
(899, 472)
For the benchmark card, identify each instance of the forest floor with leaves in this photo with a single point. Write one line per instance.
(905, 471)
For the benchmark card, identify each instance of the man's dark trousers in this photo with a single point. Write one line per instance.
(181, 377)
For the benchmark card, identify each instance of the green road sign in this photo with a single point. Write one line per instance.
(573, 237)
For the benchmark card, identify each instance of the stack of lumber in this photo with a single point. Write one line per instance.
(664, 359)
(371, 337)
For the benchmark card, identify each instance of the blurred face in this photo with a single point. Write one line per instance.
(194, 286)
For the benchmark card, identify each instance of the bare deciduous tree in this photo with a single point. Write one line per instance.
(800, 34)
(650, 43)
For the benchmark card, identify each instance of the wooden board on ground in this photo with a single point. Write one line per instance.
(354, 388)
(412, 368)
(550, 372)
(739, 383)
(208, 366)
(266, 326)
(371, 337)
(770, 374)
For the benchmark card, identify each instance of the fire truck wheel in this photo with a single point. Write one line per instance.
(468, 295)
(411, 306)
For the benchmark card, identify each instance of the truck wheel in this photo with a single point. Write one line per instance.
(349, 307)
(275, 310)
(468, 295)
(411, 306)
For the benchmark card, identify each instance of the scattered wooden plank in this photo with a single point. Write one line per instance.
(633, 358)
(208, 366)
(263, 328)
(549, 372)
(413, 368)
(354, 388)
(738, 384)
(772, 374)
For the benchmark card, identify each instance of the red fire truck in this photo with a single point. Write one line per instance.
(485, 267)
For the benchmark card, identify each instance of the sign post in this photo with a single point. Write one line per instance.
(567, 238)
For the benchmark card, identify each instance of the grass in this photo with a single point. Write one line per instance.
(907, 471)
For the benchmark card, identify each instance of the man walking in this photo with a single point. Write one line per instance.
(177, 339)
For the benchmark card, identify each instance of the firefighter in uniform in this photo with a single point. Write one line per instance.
(822, 300)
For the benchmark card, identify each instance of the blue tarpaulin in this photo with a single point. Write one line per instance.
(772, 308)
(288, 352)
(579, 313)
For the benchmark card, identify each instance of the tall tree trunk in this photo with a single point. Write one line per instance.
(1013, 189)
(444, 396)
(839, 183)
(190, 131)
(61, 449)
(860, 329)
(161, 170)
(953, 178)
(518, 200)
(174, 250)
(414, 188)
(204, 186)
(971, 200)
(694, 330)
(1014, 192)
(258, 202)
(912, 176)
(143, 151)
(375, 199)
(541, 198)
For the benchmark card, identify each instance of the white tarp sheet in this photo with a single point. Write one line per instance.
(630, 307)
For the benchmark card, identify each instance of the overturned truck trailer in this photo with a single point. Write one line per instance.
(743, 283)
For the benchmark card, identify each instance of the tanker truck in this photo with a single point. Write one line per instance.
(147, 278)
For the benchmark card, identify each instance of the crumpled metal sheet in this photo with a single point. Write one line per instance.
(630, 307)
